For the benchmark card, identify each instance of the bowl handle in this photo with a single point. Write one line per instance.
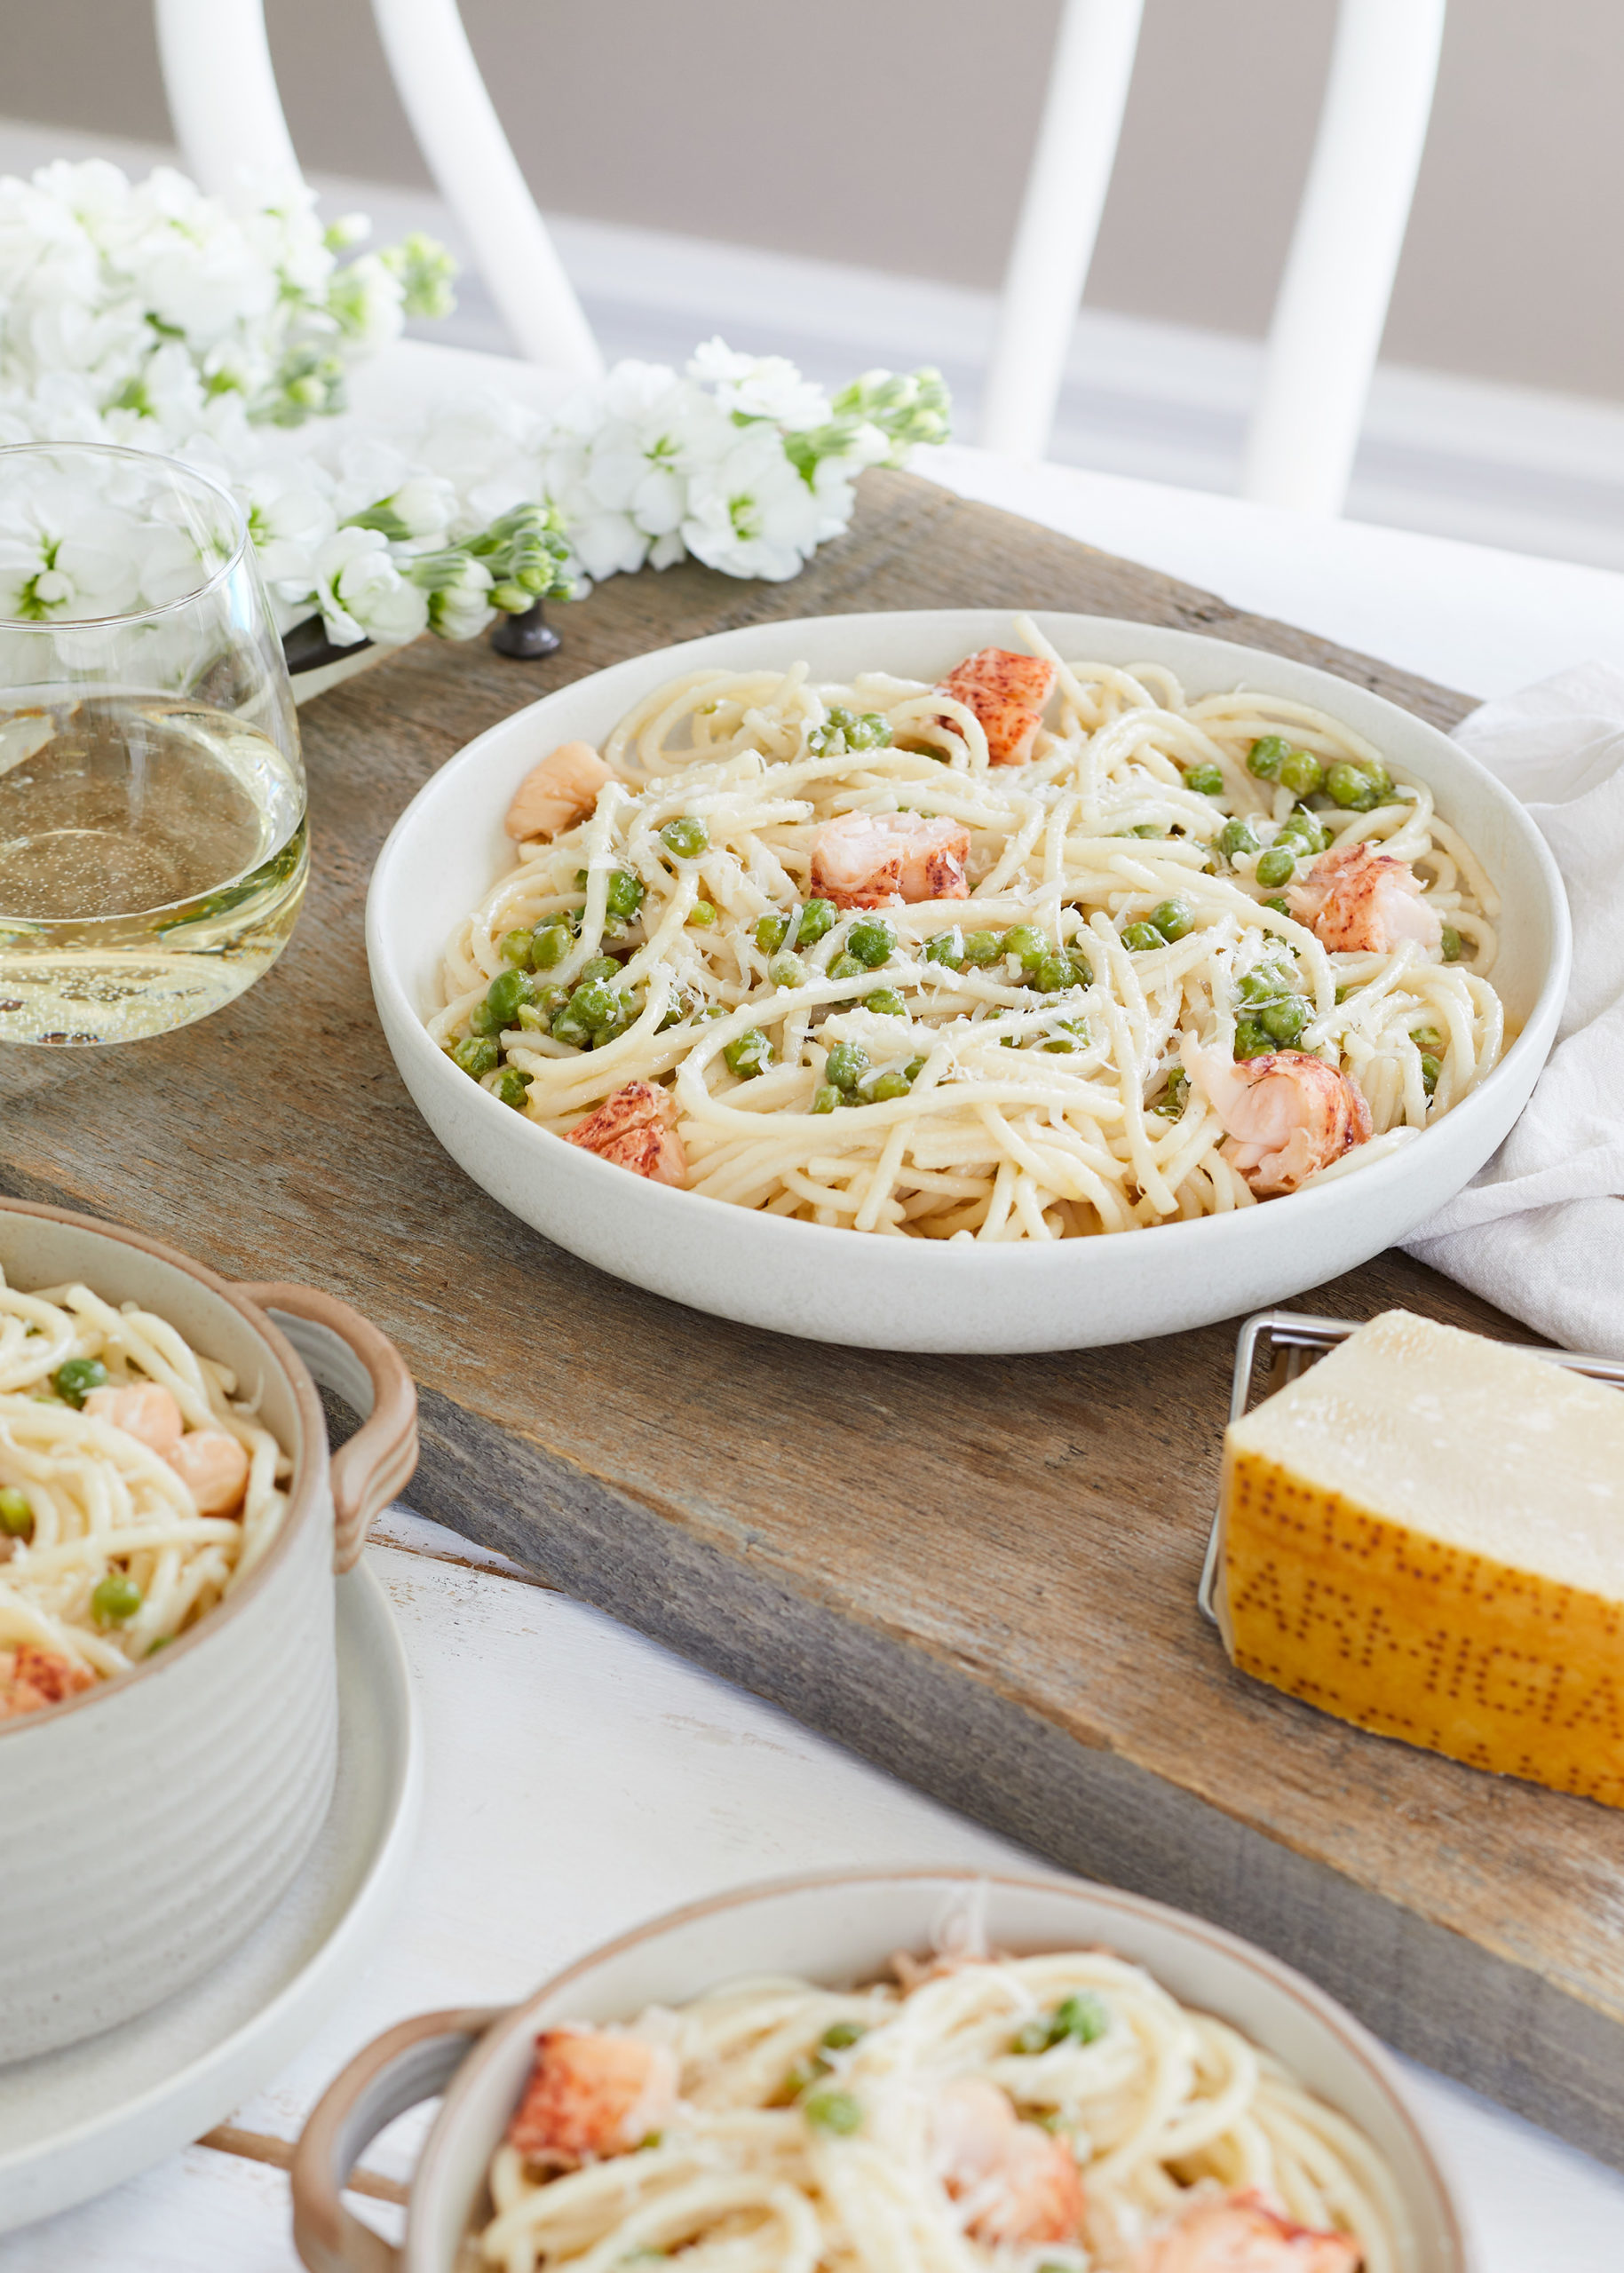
(348, 1355)
(404, 2065)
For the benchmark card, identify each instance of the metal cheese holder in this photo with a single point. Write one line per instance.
(1291, 1343)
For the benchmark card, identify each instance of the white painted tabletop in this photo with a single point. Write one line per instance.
(579, 1778)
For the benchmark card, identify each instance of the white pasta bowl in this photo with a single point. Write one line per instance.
(833, 1285)
(150, 1823)
(838, 1930)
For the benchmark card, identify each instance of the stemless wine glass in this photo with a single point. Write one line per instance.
(152, 851)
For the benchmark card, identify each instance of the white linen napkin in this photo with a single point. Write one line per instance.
(1540, 1231)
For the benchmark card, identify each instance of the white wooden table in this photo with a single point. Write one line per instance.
(579, 1778)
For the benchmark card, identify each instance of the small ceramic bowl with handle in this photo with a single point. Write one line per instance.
(150, 1823)
(837, 1929)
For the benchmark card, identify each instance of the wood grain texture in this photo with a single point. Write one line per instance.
(979, 1572)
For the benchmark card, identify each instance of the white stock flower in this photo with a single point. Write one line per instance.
(366, 300)
(289, 519)
(749, 513)
(458, 607)
(64, 557)
(759, 387)
(363, 595)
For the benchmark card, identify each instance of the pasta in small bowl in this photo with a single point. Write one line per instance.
(900, 2071)
(170, 1525)
(881, 978)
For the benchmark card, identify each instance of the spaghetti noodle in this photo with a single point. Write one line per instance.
(1014, 1064)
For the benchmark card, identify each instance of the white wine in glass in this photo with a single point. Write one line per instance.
(152, 843)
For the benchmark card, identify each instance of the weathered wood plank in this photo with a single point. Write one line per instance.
(981, 1571)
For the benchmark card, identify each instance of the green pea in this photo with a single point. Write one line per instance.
(507, 991)
(1253, 1039)
(73, 1381)
(1054, 975)
(1147, 828)
(581, 877)
(476, 1054)
(1174, 918)
(1031, 2038)
(1451, 943)
(597, 967)
(826, 1096)
(885, 1087)
(1285, 1020)
(1277, 866)
(714, 1010)
(848, 1062)
(624, 895)
(769, 933)
(1303, 827)
(1266, 757)
(872, 941)
(846, 966)
(840, 2035)
(1265, 982)
(1177, 1096)
(983, 947)
(912, 1070)
(116, 1598)
(1081, 2018)
(567, 1026)
(1061, 1044)
(686, 836)
(787, 971)
(887, 1002)
(1206, 779)
(517, 947)
(1430, 1068)
(1026, 942)
(1140, 939)
(16, 1516)
(947, 948)
(1082, 970)
(1351, 788)
(595, 1004)
(1427, 1038)
(1301, 772)
(512, 1087)
(870, 732)
(1236, 837)
(833, 734)
(834, 2111)
(702, 914)
(550, 943)
(1279, 905)
(749, 1054)
(818, 918)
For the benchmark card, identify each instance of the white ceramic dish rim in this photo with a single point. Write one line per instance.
(1199, 1237)
(130, 2138)
(1352, 2036)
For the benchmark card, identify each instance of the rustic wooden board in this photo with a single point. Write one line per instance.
(979, 1572)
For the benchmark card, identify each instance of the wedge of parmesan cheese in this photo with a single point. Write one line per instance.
(1424, 1535)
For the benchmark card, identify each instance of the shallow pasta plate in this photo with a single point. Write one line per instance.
(834, 1285)
(836, 1929)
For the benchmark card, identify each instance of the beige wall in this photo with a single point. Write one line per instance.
(894, 133)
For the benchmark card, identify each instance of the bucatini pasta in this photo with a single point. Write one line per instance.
(137, 1490)
(1046, 949)
(1056, 2114)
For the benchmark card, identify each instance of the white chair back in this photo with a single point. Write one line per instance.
(228, 121)
(1338, 280)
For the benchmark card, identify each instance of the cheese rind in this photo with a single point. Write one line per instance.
(1409, 1544)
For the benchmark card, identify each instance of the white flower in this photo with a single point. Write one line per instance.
(365, 298)
(759, 387)
(363, 595)
(750, 514)
(289, 519)
(458, 607)
(64, 557)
